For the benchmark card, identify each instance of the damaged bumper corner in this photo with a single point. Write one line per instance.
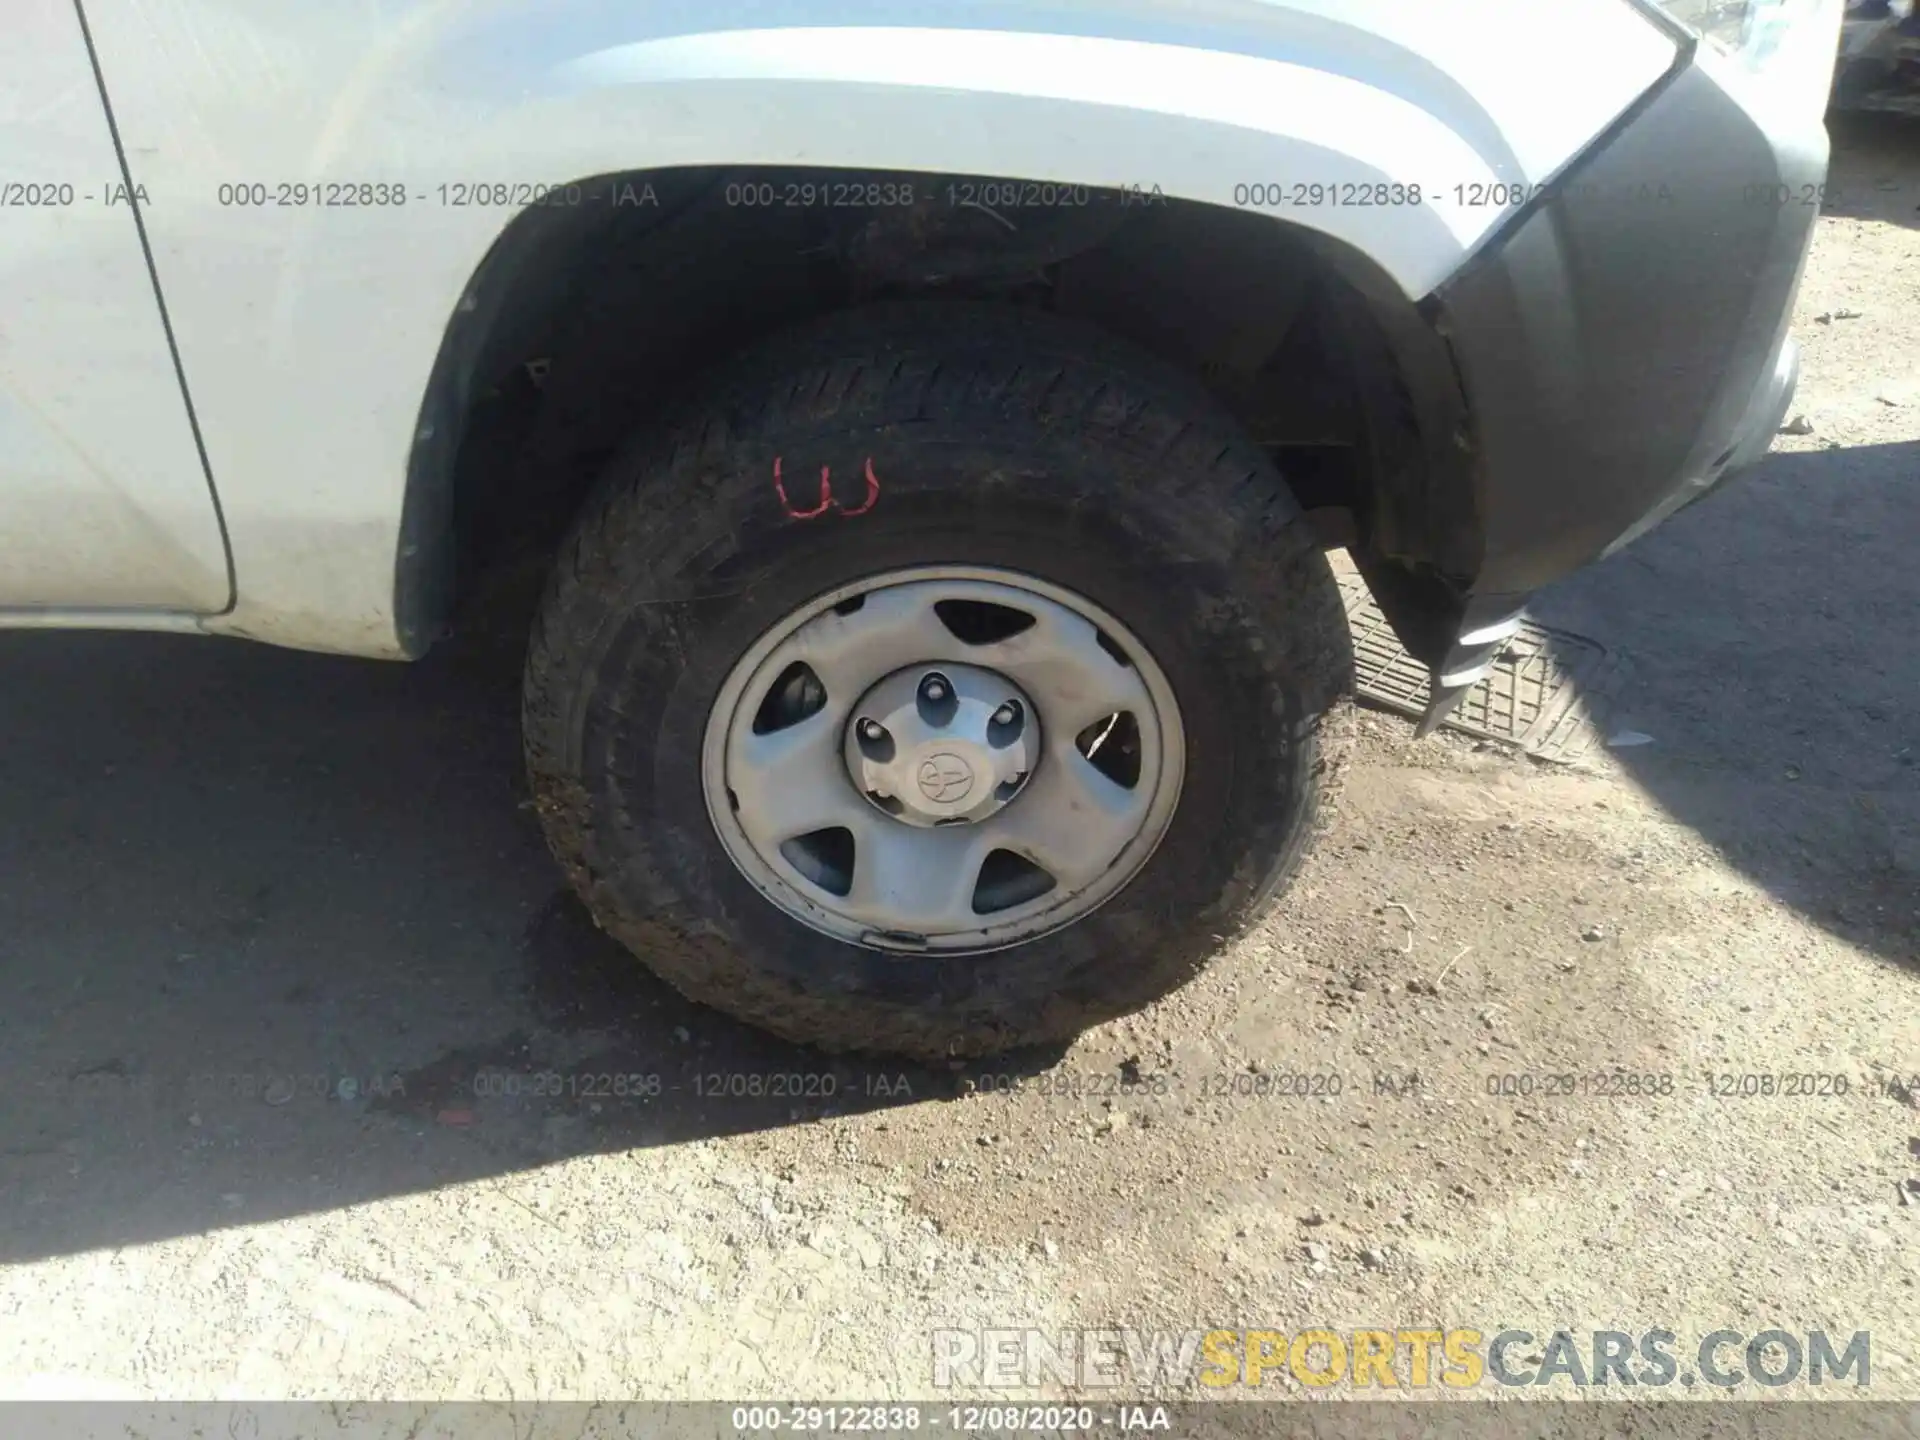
(1624, 349)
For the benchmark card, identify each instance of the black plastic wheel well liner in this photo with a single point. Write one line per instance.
(1369, 386)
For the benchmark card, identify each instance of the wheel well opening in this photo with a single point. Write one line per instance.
(589, 318)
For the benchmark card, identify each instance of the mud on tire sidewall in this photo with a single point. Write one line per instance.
(645, 620)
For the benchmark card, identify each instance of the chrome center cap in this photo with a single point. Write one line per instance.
(942, 744)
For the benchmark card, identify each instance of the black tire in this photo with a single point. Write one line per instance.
(1003, 438)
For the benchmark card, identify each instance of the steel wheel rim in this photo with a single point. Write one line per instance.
(782, 765)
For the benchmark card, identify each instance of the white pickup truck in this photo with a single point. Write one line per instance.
(932, 418)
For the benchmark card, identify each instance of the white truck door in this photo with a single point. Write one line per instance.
(104, 501)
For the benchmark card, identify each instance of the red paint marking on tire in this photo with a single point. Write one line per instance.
(873, 492)
(826, 494)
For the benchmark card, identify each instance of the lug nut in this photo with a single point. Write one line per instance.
(1006, 714)
(870, 730)
(935, 690)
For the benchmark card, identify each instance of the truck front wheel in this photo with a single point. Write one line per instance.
(945, 679)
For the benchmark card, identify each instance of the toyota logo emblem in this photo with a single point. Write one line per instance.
(945, 778)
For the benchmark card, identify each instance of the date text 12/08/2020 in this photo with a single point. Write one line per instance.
(449, 195)
(788, 193)
(705, 1085)
(991, 1419)
(1506, 195)
(996, 196)
(1475, 195)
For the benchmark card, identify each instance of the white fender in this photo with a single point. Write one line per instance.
(307, 332)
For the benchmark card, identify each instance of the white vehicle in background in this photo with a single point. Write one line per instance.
(932, 417)
(1879, 65)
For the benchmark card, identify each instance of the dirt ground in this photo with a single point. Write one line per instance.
(232, 878)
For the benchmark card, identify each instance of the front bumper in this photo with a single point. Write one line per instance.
(1770, 406)
(1623, 347)
(1751, 440)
